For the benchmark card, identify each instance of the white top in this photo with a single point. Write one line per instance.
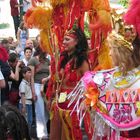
(25, 61)
(26, 5)
(1, 76)
(25, 88)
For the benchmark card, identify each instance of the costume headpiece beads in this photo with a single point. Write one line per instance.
(71, 32)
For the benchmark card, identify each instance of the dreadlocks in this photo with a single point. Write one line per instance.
(13, 125)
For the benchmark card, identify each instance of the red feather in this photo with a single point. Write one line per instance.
(3, 54)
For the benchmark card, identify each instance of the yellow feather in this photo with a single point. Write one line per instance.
(105, 61)
(45, 42)
(55, 3)
(40, 18)
(105, 17)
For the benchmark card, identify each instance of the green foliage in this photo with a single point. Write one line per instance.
(4, 25)
(124, 3)
(86, 30)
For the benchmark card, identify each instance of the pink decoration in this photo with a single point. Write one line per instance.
(87, 78)
(132, 16)
(122, 115)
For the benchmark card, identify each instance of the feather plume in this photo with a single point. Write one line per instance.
(35, 18)
(132, 16)
(87, 5)
(45, 42)
(55, 3)
(104, 59)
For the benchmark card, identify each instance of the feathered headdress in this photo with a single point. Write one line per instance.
(132, 16)
(118, 40)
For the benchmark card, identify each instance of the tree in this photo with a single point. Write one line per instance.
(124, 3)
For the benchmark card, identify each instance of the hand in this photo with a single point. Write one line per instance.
(42, 90)
(48, 104)
(34, 97)
(23, 110)
(19, 63)
(44, 80)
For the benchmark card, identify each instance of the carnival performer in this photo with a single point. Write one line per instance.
(113, 93)
(136, 57)
(73, 64)
(122, 89)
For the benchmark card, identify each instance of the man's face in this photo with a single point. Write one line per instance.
(29, 43)
(28, 54)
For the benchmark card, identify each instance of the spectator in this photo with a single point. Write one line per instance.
(14, 78)
(2, 81)
(26, 5)
(22, 37)
(12, 45)
(15, 14)
(40, 74)
(10, 40)
(29, 44)
(5, 44)
(5, 69)
(27, 55)
(13, 125)
(25, 103)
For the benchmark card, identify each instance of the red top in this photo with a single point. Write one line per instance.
(3, 54)
(71, 78)
(14, 9)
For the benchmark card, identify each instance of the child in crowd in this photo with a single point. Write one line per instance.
(25, 104)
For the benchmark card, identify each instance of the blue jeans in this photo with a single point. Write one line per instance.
(29, 113)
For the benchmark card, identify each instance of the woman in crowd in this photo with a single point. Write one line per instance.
(14, 78)
(22, 37)
(73, 64)
(39, 65)
(6, 72)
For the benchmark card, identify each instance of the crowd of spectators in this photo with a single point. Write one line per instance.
(23, 72)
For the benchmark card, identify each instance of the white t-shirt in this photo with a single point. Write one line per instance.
(1, 76)
(26, 5)
(25, 88)
(25, 61)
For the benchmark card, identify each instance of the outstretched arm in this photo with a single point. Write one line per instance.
(2, 81)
